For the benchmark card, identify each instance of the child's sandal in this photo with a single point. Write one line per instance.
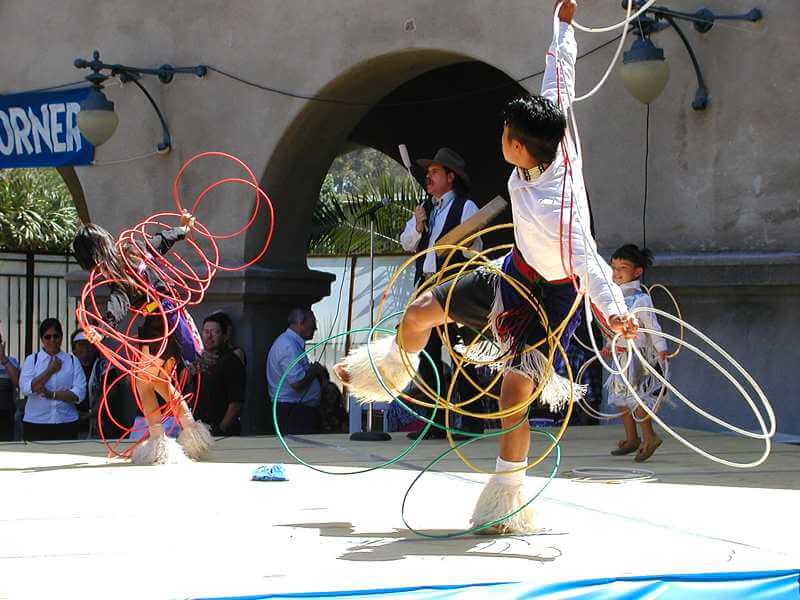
(647, 450)
(625, 447)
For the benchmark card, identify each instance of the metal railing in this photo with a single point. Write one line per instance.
(32, 288)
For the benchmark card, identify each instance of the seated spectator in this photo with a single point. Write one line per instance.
(227, 330)
(298, 406)
(9, 384)
(93, 369)
(222, 380)
(55, 384)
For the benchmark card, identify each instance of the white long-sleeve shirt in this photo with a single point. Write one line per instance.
(410, 237)
(40, 409)
(537, 205)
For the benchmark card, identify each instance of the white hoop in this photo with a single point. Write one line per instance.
(610, 68)
(623, 23)
(766, 434)
(611, 475)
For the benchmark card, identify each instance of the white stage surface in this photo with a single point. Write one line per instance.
(77, 525)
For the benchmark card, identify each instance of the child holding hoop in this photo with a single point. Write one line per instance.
(628, 264)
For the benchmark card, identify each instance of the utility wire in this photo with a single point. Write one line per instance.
(47, 89)
(448, 98)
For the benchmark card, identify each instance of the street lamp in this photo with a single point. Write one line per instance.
(645, 71)
(97, 120)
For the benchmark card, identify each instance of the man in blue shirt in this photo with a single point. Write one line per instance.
(299, 399)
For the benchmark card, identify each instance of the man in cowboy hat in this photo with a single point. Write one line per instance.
(447, 182)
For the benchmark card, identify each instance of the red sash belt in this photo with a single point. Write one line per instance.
(529, 272)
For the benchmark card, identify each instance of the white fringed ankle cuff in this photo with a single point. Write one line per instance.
(516, 478)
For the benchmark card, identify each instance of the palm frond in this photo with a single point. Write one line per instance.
(36, 211)
(341, 221)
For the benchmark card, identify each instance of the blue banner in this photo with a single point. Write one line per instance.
(40, 129)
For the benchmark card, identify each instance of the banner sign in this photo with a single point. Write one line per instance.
(40, 129)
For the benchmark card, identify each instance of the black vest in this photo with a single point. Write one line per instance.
(453, 220)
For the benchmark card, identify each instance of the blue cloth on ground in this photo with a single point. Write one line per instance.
(270, 473)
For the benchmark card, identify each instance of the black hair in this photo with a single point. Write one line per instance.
(93, 246)
(221, 319)
(50, 323)
(537, 123)
(639, 257)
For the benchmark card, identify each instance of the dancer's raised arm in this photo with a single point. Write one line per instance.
(558, 83)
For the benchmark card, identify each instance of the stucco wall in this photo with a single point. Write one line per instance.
(725, 179)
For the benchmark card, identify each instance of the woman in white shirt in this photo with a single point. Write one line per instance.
(54, 383)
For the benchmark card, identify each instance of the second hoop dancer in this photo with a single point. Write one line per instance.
(548, 260)
(137, 287)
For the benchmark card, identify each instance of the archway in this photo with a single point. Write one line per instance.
(377, 104)
(424, 98)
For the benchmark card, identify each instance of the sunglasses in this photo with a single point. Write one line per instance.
(52, 336)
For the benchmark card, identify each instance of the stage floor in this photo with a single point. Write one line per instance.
(74, 524)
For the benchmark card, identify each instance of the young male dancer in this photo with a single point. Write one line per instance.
(553, 254)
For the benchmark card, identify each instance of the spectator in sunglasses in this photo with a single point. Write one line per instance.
(54, 383)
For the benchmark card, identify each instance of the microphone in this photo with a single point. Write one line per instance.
(370, 212)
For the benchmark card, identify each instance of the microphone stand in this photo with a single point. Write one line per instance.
(368, 435)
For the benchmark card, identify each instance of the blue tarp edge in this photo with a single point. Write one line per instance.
(753, 585)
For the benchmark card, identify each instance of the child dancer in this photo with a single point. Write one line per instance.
(137, 286)
(628, 265)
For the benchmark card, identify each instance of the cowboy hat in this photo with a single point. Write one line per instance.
(450, 159)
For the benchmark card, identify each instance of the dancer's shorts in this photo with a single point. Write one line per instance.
(480, 296)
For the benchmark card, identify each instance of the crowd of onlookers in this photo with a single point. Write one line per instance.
(57, 393)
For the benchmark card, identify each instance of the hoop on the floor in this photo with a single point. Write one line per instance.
(610, 475)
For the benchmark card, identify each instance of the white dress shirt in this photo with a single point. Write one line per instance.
(541, 232)
(40, 409)
(441, 207)
(288, 346)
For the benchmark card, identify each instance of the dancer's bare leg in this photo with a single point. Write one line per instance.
(420, 318)
(146, 388)
(194, 438)
(515, 389)
(154, 449)
(504, 493)
(172, 395)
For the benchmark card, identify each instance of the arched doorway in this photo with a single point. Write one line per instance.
(423, 98)
(377, 103)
